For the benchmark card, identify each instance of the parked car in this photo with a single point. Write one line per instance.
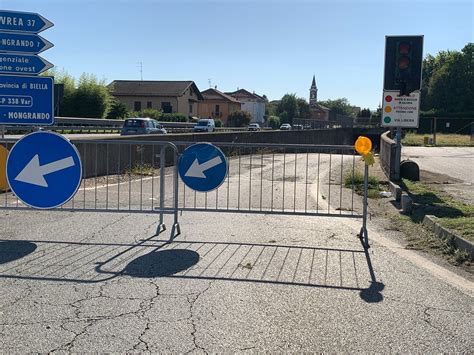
(297, 126)
(205, 125)
(136, 126)
(285, 127)
(254, 127)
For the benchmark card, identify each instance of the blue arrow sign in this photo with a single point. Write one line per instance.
(23, 64)
(26, 100)
(202, 167)
(23, 43)
(23, 22)
(44, 170)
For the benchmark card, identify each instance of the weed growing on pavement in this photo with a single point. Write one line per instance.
(141, 169)
(356, 179)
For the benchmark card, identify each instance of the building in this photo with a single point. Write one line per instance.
(252, 103)
(168, 96)
(317, 111)
(217, 105)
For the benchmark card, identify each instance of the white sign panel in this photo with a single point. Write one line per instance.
(400, 111)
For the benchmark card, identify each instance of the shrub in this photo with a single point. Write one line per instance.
(173, 117)
(118, 110)
(218, 122)
(239, 118)
(274, 122)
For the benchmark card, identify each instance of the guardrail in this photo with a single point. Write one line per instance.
(387, 156)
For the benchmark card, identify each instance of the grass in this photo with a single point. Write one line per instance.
(442, 139)
(453, 214)
(141, 169)
(356, 179)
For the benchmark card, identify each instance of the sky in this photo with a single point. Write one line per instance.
(270, 47)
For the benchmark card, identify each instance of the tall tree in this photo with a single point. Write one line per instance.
(339, 106)
(303, 108)
(289, 105)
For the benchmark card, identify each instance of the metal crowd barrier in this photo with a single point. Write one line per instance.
(142, 177)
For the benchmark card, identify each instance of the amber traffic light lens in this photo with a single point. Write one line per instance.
(403, 62)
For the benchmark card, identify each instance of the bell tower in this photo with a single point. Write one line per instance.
(313, 93)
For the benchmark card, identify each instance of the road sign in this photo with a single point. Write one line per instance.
(23, 43)
(400, 111)
(26, 100)
(23, 64)
(23, 22)
(202, 167)
(44, 170)
(3, 166)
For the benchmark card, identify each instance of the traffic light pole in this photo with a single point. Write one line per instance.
(398, 152)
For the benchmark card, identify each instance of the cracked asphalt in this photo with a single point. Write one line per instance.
(104, 282)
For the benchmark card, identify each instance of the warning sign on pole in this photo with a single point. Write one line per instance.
(400, 111)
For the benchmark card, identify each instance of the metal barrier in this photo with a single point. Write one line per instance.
(387, 156)
(142, 177)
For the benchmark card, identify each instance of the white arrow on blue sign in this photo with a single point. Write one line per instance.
(23, 43)
(23, 21)
(44, 170)
(202, 167)
(23, 64)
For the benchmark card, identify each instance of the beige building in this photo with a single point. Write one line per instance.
(167, 96)
(218, 105)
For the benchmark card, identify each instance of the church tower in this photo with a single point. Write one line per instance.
(313, 93)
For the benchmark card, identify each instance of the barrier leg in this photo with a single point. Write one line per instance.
(176, 230)
(161, 225)
(363, 235)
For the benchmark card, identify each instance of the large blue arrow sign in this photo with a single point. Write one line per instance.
(23, 22)
(22, 64)
(23, 43)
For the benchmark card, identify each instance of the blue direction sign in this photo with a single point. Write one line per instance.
(202, 167)
(26, 100)
(23, 64)
(23, 22)
(23, 43)
(44, 170)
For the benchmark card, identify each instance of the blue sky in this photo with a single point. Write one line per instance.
(270, 47)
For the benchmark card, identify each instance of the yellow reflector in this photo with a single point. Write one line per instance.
(3, 168)
(363, 145)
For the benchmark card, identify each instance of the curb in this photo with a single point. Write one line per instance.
(396, 191)
(432, 223)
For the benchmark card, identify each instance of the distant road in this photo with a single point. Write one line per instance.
(76, 135)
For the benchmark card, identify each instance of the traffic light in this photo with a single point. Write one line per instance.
(403, 59)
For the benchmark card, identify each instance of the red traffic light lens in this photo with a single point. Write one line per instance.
(404, 48)
(403, 63)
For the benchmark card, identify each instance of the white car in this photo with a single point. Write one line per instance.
(285, 127)
(254, 127)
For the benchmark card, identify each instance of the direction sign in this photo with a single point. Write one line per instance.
(22, 64)
(400, 111)
(23, 22)
(44, 170)
(26, 100)
(202, 167)
(23, 43)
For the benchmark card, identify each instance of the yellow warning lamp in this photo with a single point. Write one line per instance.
(3, 165)
(363, 145)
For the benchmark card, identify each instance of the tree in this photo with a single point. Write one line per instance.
(118, 110)
(448, 81)
(289, 105)
(91, 98)
(303, 108)
(365, 112)
(339, 106)
(274, 122)
(239, 119)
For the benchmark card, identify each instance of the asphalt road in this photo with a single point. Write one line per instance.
(453, 167)
(83, 282)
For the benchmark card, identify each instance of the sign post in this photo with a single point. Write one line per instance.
(401, 88)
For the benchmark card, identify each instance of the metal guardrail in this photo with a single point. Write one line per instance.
(142, 177)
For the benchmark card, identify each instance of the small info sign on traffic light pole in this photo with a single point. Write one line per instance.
(401, 86)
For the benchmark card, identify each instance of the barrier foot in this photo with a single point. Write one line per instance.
(364, 238)
(175, 231)
(161, 228)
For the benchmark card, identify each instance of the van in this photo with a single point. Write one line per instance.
(205, 125)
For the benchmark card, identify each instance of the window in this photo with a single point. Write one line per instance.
(166, 107)
(149, 104)
(217, 110)
(190, 108)
(137, 106)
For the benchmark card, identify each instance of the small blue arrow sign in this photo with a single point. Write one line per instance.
(23, 22)
(202, 167)
(23, 43)
(23, 64)
(44, 170)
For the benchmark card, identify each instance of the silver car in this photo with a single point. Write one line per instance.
(137, 126)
